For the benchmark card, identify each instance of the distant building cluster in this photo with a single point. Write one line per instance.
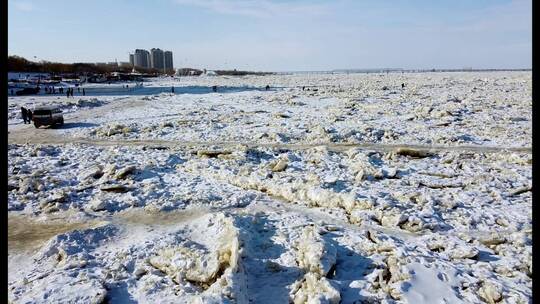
(155, 59)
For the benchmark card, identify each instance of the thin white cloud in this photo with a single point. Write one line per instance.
(256, 8)
(24, 6)
(515, 15)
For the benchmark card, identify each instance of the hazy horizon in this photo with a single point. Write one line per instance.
(279, 35)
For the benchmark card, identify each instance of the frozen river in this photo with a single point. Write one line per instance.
(324, 189)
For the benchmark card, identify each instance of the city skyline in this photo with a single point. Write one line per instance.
(274, 35)
(155, 59)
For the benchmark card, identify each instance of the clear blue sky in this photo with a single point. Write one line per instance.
(278, 35)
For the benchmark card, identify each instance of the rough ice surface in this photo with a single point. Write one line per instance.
(349, 193)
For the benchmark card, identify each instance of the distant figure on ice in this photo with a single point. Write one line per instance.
(214, 88)
(83, 92)
(267, 87)
(172, 89)
(67, 93)
(303, 88)
(61, 90)
(71, 91)
(402, 85)
(24, 114)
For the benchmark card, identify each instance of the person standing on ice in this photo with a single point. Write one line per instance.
(24, 114)
(267, 87)
(172, 89)
(402, 85)
(67, 93)
(83, 92)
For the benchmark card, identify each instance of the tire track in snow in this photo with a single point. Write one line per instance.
(49, 137)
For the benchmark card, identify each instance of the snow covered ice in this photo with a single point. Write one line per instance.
(353, 190)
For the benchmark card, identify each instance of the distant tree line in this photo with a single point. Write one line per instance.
(240, 73)
(20, 64)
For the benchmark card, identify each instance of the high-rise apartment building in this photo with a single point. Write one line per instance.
(156, 59)
(168, 64)
(141, 58)
(148, 59)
